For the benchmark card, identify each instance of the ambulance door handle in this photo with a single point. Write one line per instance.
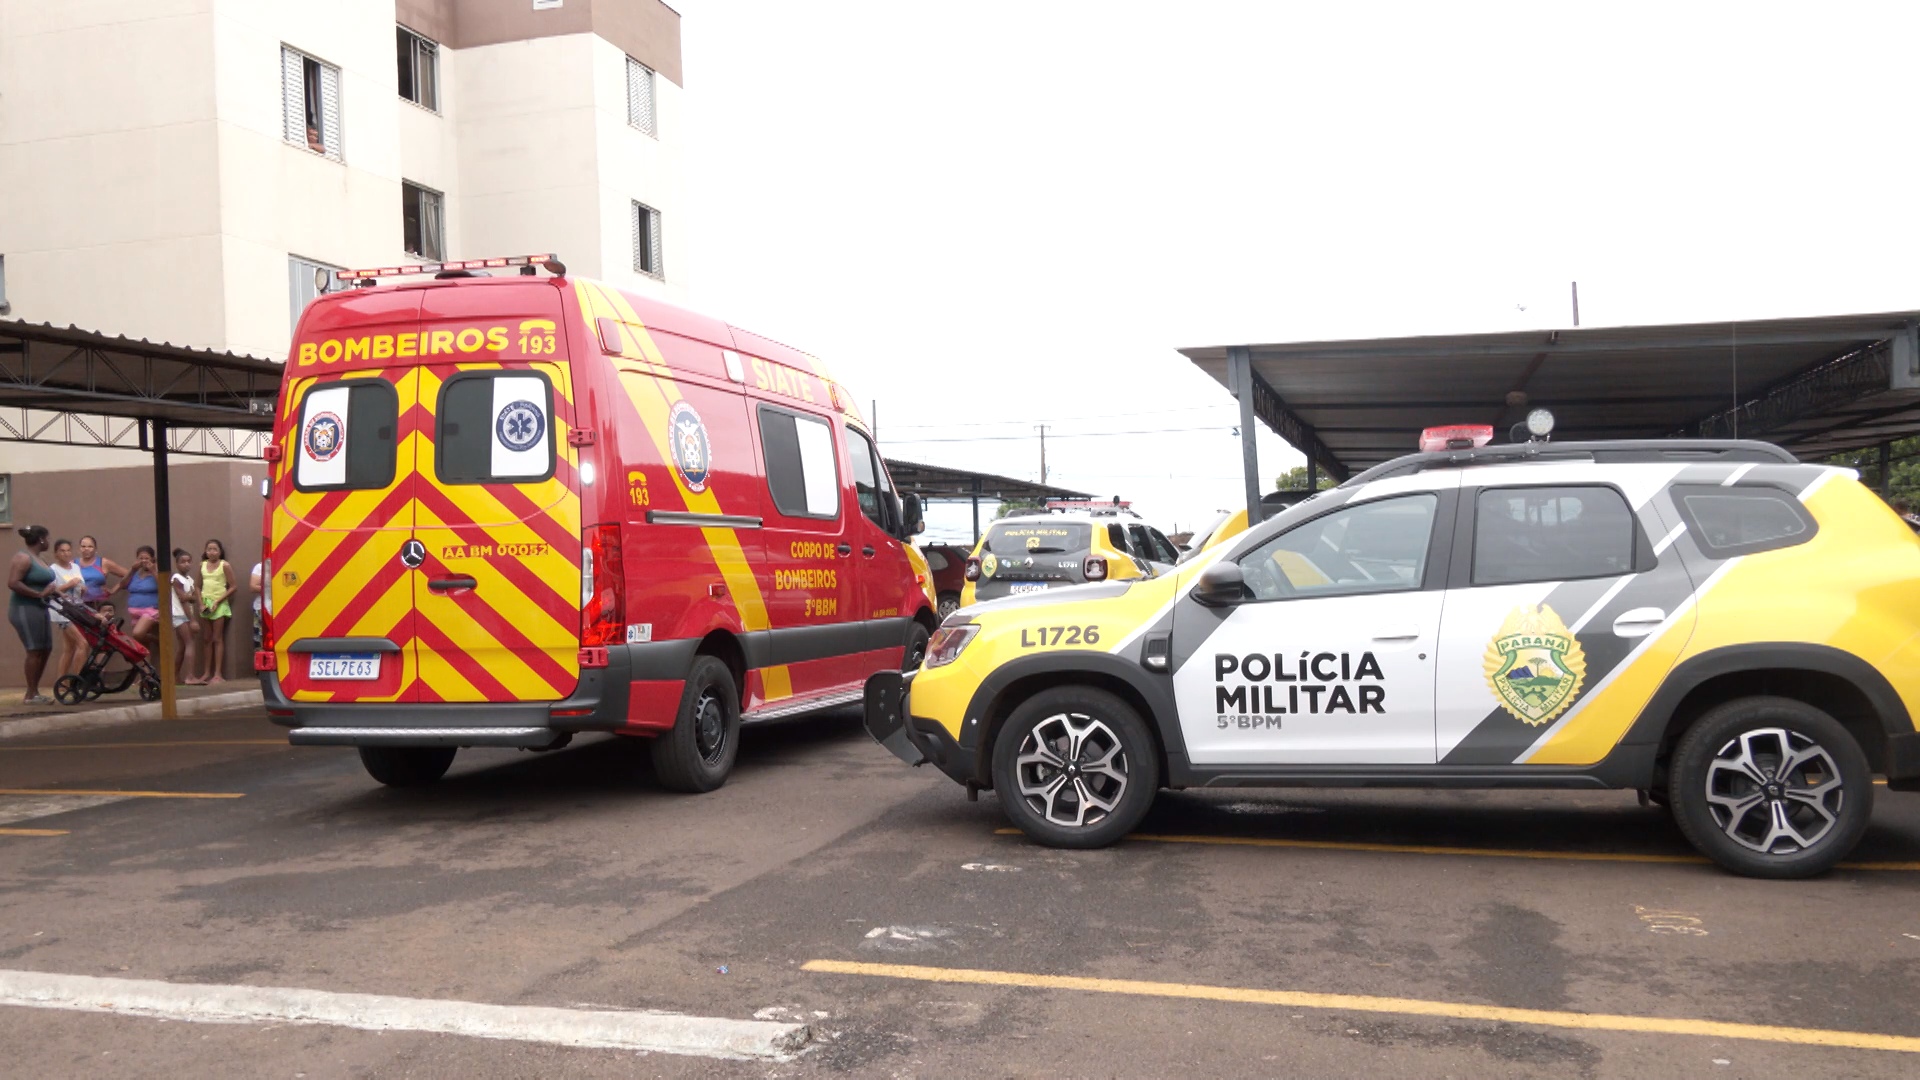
(867, 551)
(845, 549)
(1639, 622)
(451, 584)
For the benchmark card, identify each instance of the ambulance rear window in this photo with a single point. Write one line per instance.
(494, 427)
(1039, 538)
(347, 436)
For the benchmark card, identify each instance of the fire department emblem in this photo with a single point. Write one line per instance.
(322, 439)
(1535, 665)
(692, 452)
(520, 426)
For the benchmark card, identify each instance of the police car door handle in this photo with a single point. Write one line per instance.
(845, 549)
(1639, 622)
(1411, 635)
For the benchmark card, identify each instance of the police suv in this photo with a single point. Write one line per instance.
(1729, 631)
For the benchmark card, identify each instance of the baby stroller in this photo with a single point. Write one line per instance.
(105, 642)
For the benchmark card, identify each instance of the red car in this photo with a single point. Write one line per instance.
(949, 566)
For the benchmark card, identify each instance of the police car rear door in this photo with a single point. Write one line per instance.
(1329, 660)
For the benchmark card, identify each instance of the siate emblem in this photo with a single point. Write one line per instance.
(692, 453)
(323, 437)
(520, 426)
(1535, 665)
(412, 554)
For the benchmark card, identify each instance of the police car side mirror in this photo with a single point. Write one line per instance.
(1221, 585)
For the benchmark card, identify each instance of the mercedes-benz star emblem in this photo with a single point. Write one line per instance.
(412, 554)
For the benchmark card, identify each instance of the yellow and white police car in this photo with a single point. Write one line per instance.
(1732, 632)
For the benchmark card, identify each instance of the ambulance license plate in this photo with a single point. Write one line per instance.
(1016, 590)
(344, 666)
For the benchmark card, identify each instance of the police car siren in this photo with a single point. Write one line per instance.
(1456, 437)
(528, 265)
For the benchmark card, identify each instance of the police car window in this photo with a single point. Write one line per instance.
(866, 479)
(347, 436)
(1142, 543)
(1551, 534)
(1743, 520)
(802, 473)
(1168, 553)
(1008, 539)
(1378, 546)
(494, 428)
(1117, 536)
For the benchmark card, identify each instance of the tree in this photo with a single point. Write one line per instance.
(1295, 479)
(1903, 468)
(1018, 506)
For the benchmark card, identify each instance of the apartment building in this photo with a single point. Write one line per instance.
(178, 170)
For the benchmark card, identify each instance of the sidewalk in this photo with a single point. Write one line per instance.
(17, 718)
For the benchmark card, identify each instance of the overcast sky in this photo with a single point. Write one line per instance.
(991, 216)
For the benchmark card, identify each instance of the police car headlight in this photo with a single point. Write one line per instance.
(945, 645)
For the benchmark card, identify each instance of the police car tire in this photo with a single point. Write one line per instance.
(1720, 726)
(1136, 743)
(407, 766)
(678, 763)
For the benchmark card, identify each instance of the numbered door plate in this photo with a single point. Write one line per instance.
(343, 666)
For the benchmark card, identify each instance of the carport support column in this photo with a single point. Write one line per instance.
(976, 510)
(1240, 382)
(163, 569)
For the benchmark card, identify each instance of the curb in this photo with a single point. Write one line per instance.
(14, 727)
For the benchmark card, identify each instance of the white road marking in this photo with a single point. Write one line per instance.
(17, 808)
(666, 1033)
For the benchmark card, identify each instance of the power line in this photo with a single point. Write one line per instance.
(1068, 435)
(1057, 419)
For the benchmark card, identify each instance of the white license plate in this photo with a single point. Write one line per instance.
(1016, 590)
(344, 666)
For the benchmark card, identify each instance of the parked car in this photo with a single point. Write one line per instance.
(948, 564)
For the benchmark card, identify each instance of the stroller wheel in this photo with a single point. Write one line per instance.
(69, 690)
(149, 690)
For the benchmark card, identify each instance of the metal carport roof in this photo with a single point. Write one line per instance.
(1816, 386)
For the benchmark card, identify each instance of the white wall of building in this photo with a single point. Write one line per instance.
(633, 165)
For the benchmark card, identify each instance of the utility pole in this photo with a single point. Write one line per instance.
(873, 421)
(1043, 452)
(1576, 303)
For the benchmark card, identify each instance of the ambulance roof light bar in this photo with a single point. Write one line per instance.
(1456, 437)
(528, 264)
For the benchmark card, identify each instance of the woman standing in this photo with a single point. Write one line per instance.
(185, 601)
(143, 597)
(96, 569)
(28, 583)
(216, 587)
(66, 579)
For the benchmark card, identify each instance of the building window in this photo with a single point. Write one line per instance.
(6, 499)
(646, 240)
(419, 69)
(310, 102)
(422, 222)
(640, 97)
(6, 306)
(305, 281)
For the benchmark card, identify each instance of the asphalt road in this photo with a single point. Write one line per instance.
(568, 879)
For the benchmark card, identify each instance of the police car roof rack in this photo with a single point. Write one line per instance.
(1623, 451)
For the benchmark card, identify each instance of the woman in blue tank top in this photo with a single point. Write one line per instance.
(95, 569)
(143, 597)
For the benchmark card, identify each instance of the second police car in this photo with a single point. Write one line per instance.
(1713, 623)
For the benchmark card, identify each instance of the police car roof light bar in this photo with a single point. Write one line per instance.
(551, 262)
(1456, 437)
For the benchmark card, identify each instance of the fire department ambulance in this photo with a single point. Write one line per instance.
(506, 509)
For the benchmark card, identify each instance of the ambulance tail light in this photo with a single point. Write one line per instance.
(603, 617)
(263, 656)
(1095, 569)
(1456, 437)
(973, 569)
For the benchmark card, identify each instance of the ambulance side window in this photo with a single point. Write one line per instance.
(494, 428)
(347, 436)
(802, 472)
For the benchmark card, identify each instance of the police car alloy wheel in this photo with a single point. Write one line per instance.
(1771, 787)
(1075, 768)
(698, 753)
(407, 766)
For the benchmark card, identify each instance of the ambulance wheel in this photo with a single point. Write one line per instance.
(698, 753)
(69, 690)
(1075, 768)
(407, 766)
(916, 650)
(1770, 787)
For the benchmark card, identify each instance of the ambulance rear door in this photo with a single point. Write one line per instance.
(497, 585)
(342, 507)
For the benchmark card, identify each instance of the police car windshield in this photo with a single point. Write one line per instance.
(1038, 538)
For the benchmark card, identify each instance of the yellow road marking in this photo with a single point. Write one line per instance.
(33, 832)
(1429, 849)
(126, 794)
(149, 745)
(1449, 1010)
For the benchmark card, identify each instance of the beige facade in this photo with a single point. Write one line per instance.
(149, 187)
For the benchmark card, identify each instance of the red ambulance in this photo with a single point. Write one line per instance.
(508, 506)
